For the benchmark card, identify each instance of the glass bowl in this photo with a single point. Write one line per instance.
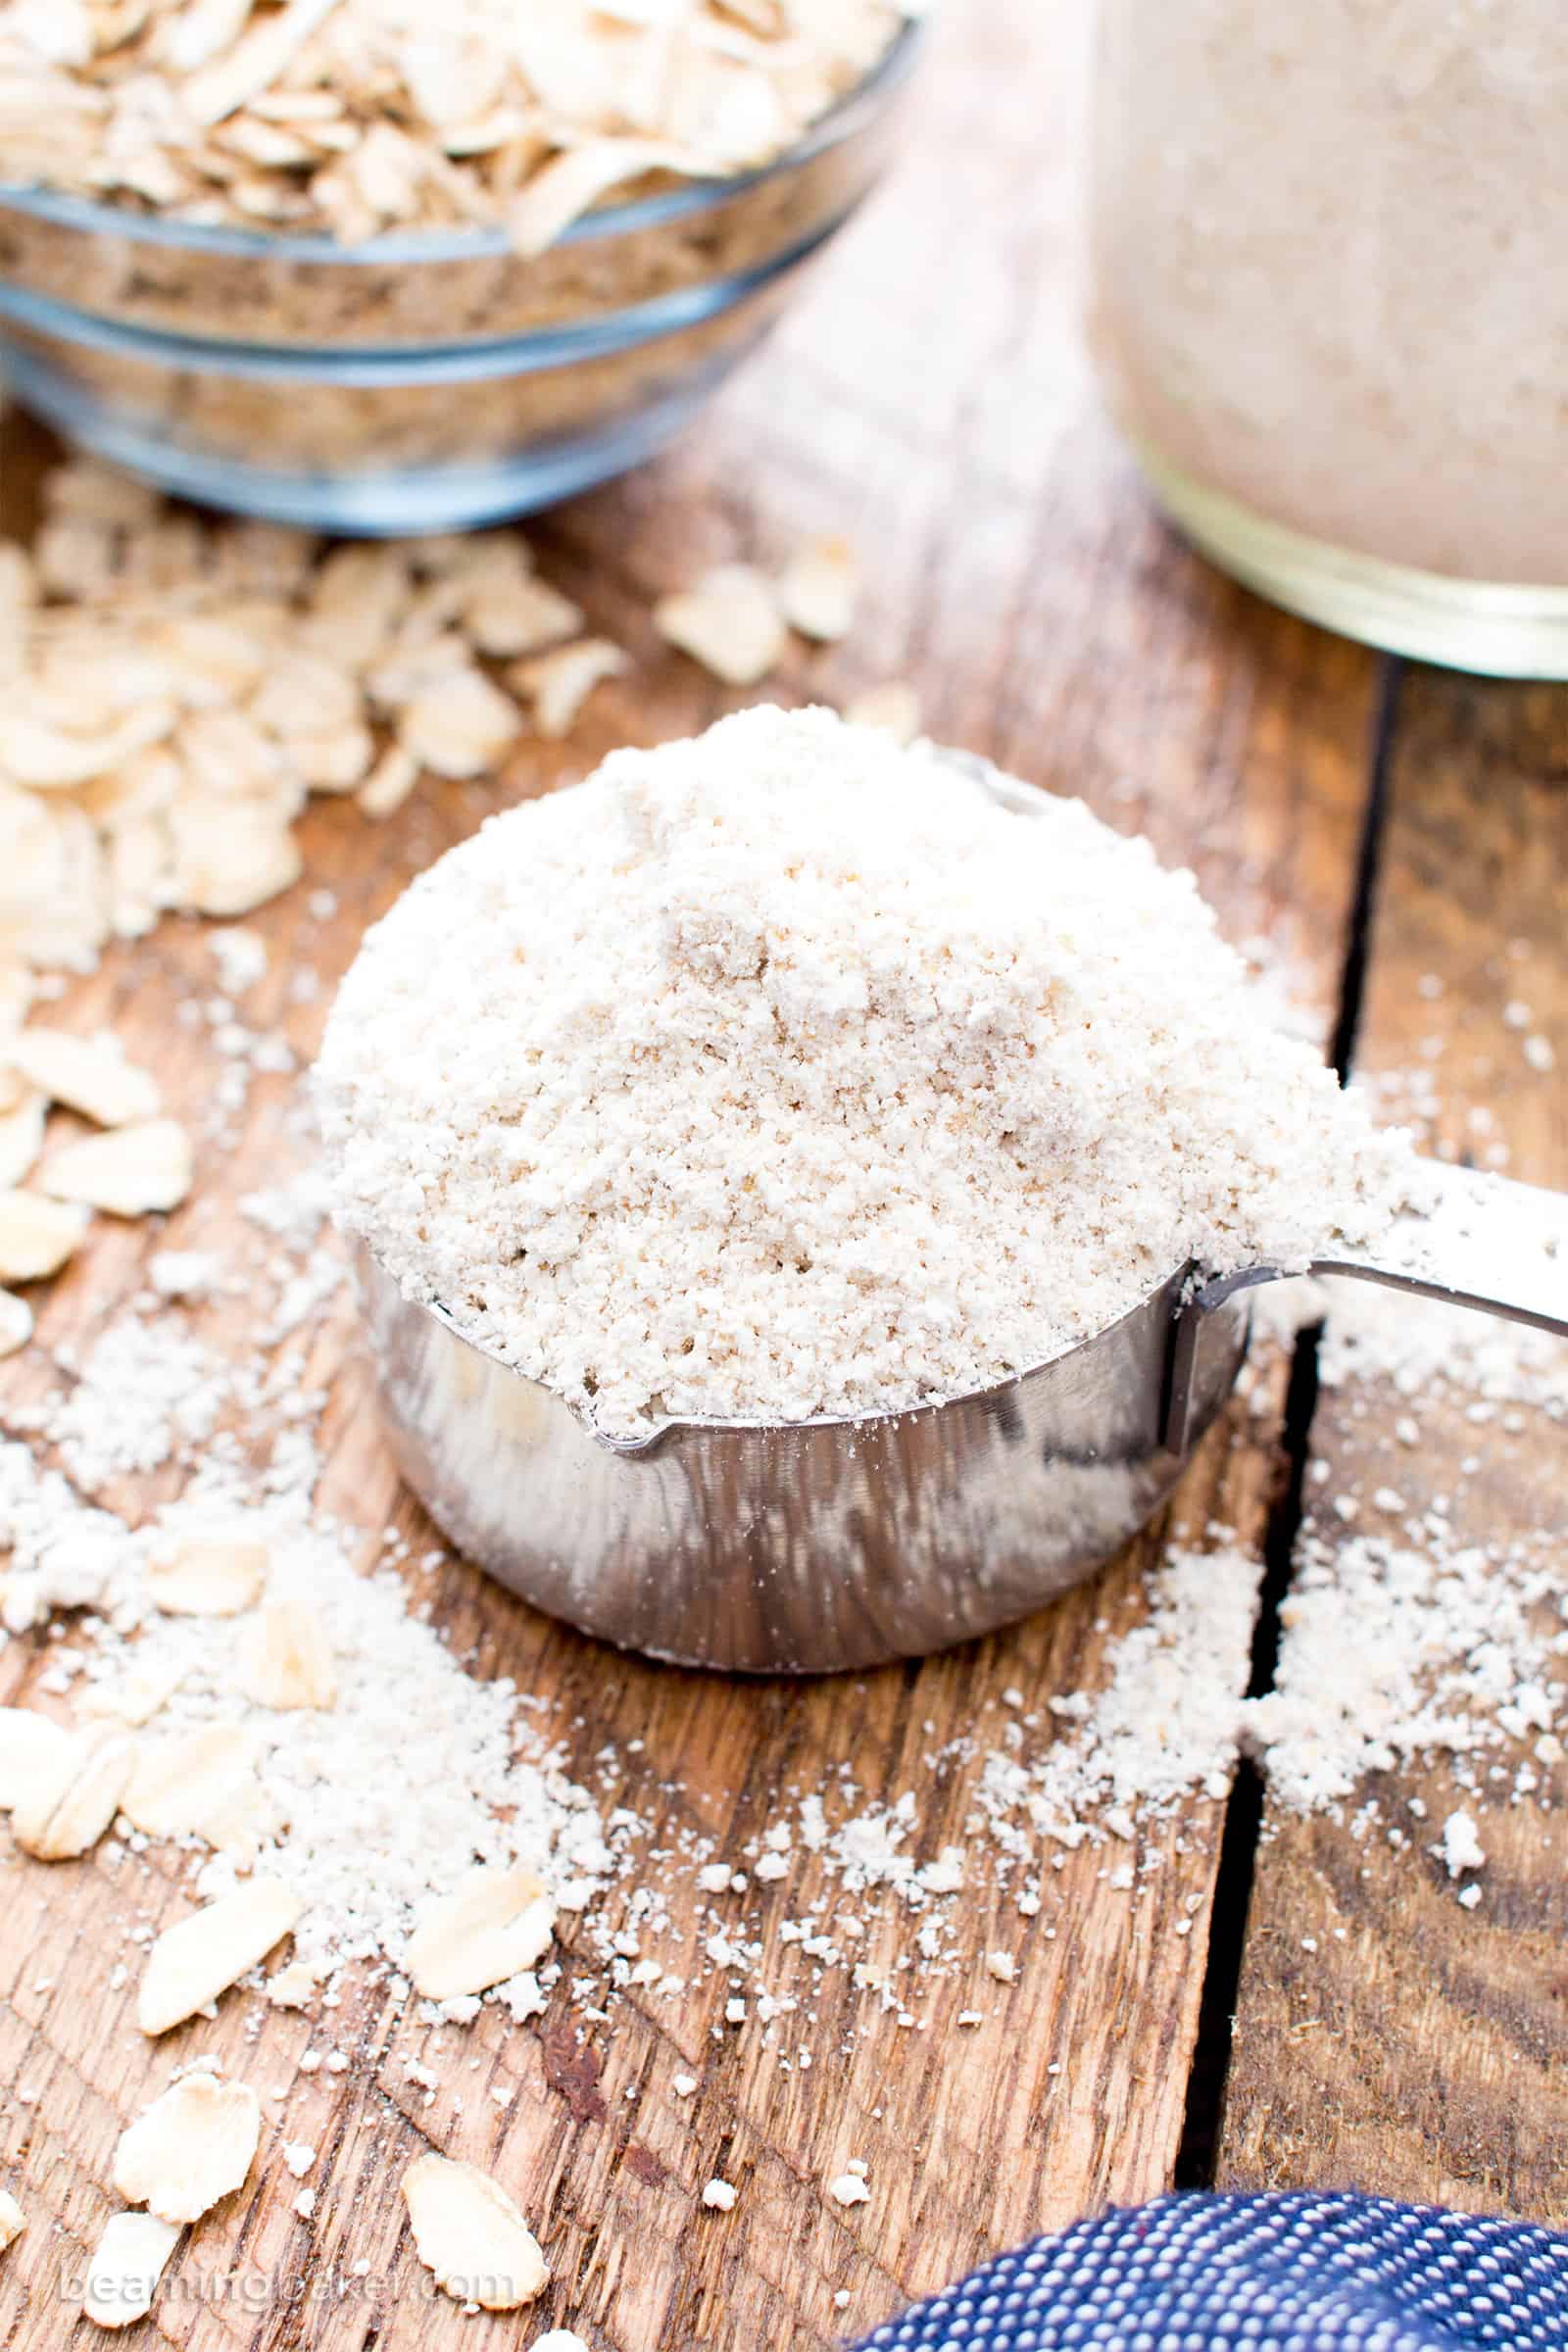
(416, 383)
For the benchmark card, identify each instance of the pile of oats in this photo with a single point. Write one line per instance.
(357, 117)
(138, 1164)
(172, 691)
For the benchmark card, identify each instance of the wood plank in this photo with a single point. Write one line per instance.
(927, 398)
(1421, 2049)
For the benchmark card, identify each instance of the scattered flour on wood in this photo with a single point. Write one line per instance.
(367, 1808)
(1455, 1649)
(1375, 1334)
(1166, 1725)
(140, 1393)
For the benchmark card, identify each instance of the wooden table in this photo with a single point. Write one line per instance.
(1373, 824)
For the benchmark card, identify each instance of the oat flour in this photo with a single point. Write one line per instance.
(785, 1073)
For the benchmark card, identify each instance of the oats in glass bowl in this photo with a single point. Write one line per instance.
(321, 262)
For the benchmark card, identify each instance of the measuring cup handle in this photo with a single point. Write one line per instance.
(1485, 1242)
(1481, 1242)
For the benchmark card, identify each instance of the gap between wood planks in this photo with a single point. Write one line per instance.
(1244, 1812)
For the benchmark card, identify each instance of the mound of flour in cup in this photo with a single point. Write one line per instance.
(784, 1073)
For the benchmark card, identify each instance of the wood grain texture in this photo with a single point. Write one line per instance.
(928, 398)
(1421, 2050)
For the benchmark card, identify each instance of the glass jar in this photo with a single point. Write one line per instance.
(1329, 253)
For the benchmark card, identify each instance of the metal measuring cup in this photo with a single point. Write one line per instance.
(829, 1545)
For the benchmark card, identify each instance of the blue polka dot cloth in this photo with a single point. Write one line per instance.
(1290, 2272)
